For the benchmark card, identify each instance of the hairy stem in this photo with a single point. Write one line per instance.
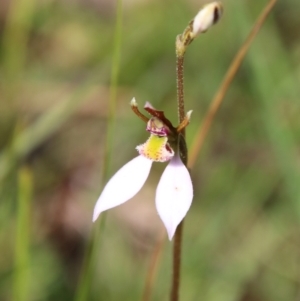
(176, 263)
(180, 90)
(183, 154)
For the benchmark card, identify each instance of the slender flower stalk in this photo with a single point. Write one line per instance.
(206, 17)
(184, 155)
(180, 90)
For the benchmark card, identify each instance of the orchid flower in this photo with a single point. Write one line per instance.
(174, 192)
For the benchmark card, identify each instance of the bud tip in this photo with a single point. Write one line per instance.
(188, 114)
(133, 102)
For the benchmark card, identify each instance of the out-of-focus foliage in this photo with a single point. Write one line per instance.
(241, 236)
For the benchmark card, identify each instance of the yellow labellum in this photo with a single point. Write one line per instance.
(156, 149)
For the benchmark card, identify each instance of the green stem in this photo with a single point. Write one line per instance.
(15, 40)
(94, 242)
(113, 90)
(21, 274)
(89, 262)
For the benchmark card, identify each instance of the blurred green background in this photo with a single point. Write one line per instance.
(241, 236)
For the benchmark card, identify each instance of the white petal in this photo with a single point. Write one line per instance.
(174, 195)
(124, 185)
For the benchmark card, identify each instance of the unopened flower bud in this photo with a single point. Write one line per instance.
(209, 15)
